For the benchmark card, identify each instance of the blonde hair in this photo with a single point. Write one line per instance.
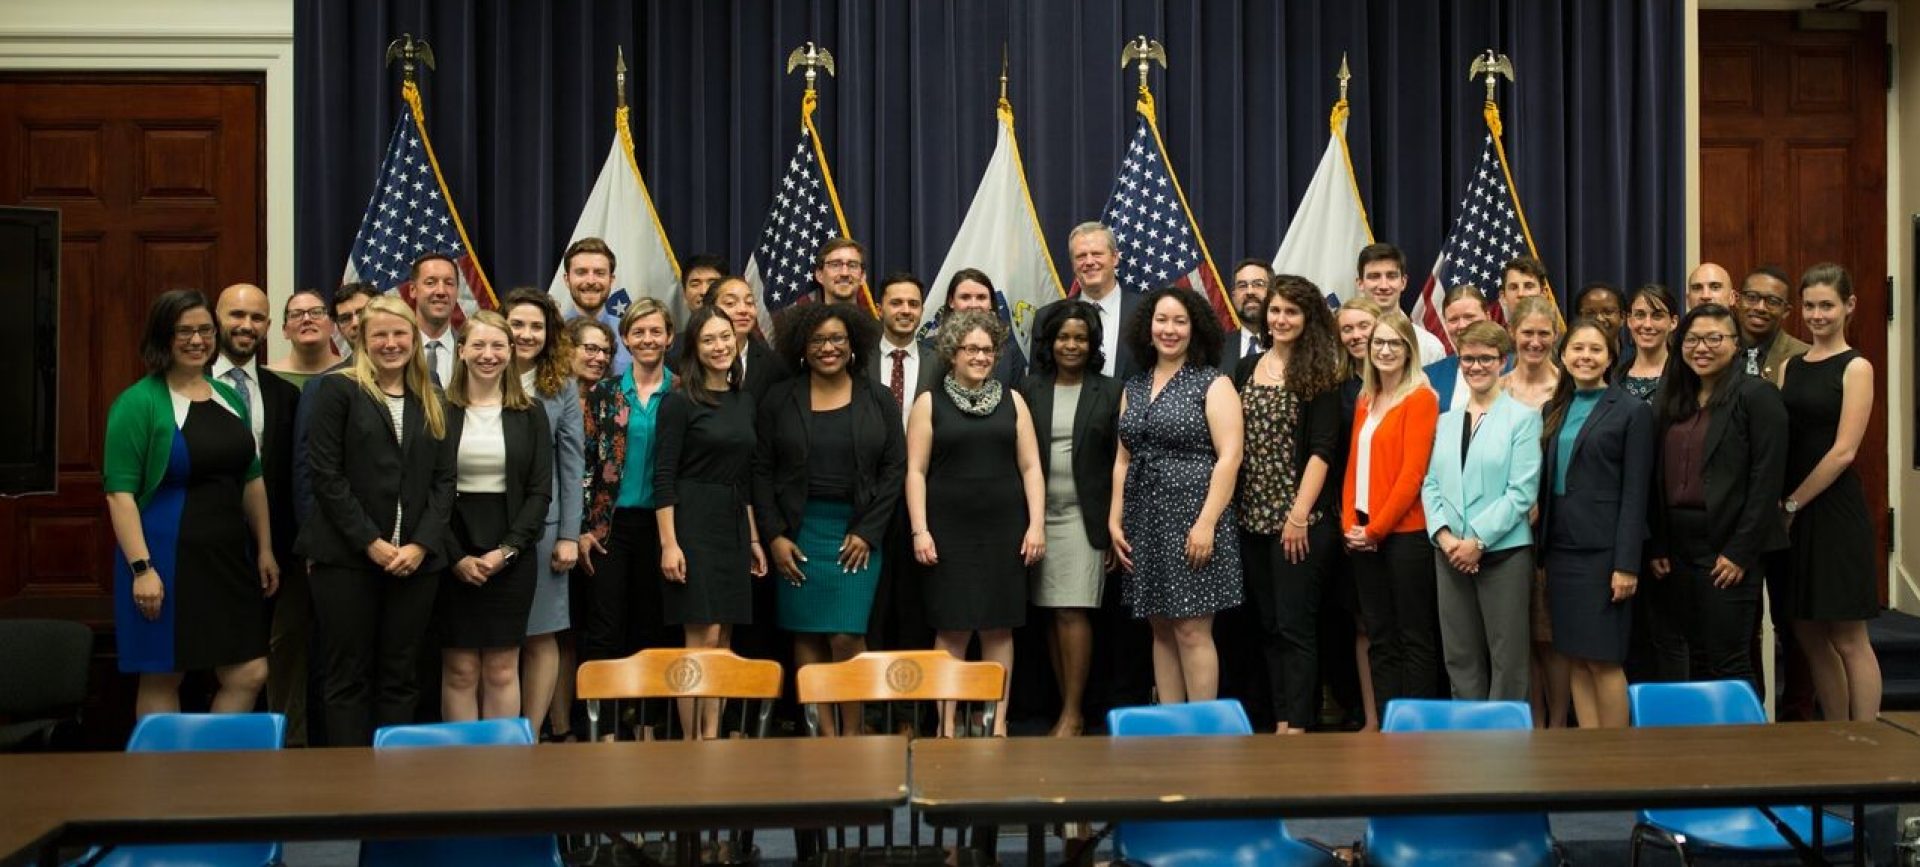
(1534, 305)
(638, 310)
(416, 378)
(1413, 378)
(512, 396)
(1363, 304)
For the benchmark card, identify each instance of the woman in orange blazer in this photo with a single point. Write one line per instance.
(1385, 526)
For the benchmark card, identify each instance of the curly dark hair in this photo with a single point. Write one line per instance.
(1314, 367)
(1202, 348)
(796, 326)
(1046, 328)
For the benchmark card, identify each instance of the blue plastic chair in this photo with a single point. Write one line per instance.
(478, 851)
(1511, 839)
(1238, 842)
(1722, 831)
(181, 732)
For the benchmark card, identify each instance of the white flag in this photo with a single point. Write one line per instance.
(1001, 236)
(1330, 226)
(620, 212)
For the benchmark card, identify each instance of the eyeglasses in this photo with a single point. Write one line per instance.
(314, 313)
(1479, 360)
(976, 350)
(1773, 302)
(189, 332)
(1388, 344)
(843, 265)
(590, 349)
(1711, 341)
(835, 340)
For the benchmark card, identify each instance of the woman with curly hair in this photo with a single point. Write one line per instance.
(1173, 524)
(1290, 396)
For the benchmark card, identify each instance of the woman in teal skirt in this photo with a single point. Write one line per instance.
(827, 477)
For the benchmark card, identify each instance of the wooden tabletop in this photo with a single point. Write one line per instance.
(353, 793)
(1008, 780)
(1906, 719)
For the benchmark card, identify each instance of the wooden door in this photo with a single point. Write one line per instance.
(1793, 171)
(160, 182)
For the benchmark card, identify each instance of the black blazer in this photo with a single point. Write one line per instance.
(1126, 365)
(281, 406)
(354, 499)
(1745, 469)
(529, 441)
(1609, 478)
(780, 459)
(881, 370)
(1096, 437)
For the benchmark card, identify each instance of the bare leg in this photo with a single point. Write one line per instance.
(996, 645)
(1610, 695)
(954, 642)
(1169, 682)
(1363, 659)
(1072, 643)
(1199, 661)
(240, 685)
(810, 648)
(1585, 705)
(1829, 673)
(500, 690)
(459, 684)
(843, 647)
(1863, 668)
(540, 672)
(700, 636)
(1559, 688)
(560, 712)
(158, 693)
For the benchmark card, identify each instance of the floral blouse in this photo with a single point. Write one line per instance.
(604, 421)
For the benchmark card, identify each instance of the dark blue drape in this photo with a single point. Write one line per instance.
(521, 112)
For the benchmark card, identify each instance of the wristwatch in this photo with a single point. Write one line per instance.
(1790, 505)
(141, 566)
(508, 553)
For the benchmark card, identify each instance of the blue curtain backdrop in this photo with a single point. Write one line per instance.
(521, 114)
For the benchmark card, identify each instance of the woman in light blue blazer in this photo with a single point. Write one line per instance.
(543, 358)
(1481, 482)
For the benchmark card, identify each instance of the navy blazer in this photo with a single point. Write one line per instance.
(355, 498)
(1609, 478)
(530, 481)
(1746, 467)
(1441, 376)
(1096, 440)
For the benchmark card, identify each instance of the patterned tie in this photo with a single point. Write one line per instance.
(899, 381)
(433, 362)
(238, 376)
(1753, 361)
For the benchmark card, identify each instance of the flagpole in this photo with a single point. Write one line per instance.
(813, 58)
(1337, 122)
(1493, 66)
(407, 49)
(622, 124)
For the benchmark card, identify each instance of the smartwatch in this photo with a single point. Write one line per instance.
(141, 566)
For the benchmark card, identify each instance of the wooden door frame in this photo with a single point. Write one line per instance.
(191, 46)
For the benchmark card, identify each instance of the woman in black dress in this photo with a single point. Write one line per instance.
(374, 539)
(189, 515)
(1829, 398)
(975, 496)
(503, 483)
(702, 475)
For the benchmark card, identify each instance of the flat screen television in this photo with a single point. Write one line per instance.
(29, 348)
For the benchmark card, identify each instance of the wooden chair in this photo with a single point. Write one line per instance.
(913, 677)
(680, 673)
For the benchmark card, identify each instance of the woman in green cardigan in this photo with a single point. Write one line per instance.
(189, 513)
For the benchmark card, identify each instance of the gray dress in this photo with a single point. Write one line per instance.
(549, 613)
(1071, 575)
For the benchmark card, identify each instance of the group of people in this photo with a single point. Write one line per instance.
(523, 492)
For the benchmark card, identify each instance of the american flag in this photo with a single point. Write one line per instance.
(1488, 232)
(1159, 241)
(805, 214)
(409, 214)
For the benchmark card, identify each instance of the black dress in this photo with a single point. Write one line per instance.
(1832, 553)
(977, 514)
(493, 614)
(703, 468)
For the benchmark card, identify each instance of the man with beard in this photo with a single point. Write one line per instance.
(309, 332)
(271, 403)
(840, 268)
(588, 271)
(1250, 281)
(904, 363)
(1095, 255)
(436, 282)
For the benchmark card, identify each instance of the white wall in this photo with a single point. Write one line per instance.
(177, 35)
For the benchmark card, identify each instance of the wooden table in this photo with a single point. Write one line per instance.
(1905, 719)
(317, 794)
(1043, 780)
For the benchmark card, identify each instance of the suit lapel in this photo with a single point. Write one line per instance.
(1717, 421)
(1605, 406)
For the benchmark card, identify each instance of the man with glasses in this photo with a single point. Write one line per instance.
(309, 332)
(1251, 278)
(348, 301)
(1762, 302)
(840, 268)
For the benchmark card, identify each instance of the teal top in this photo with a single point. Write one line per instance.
(636, 476)
(1577, 411)
(139, 439)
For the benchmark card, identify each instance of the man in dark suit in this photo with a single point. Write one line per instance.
(1095, 255)
(906, 366)
(1251, 277)
(243, 316)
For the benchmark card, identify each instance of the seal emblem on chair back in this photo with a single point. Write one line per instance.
(684, 674)
(904, 675)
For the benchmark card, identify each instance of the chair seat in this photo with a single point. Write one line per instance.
(1746, 828)
(1492, 840)
(194, 855)
(1237, 843)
